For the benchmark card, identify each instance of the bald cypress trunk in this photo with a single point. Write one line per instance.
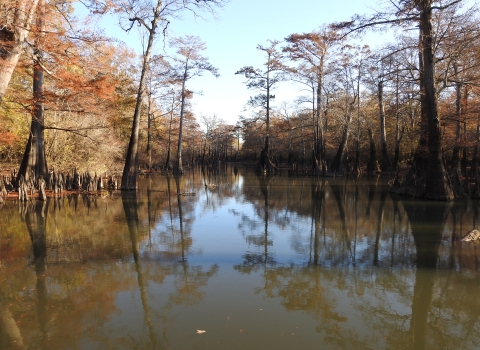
(338, 165)
(438, 185)
(427, 177)
(372, 166)
(385, 163)
(456, 172)
(179, 164)
(129, 177)
(34, 163)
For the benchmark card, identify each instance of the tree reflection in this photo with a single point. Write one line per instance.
(381, 210)
(362, 268)
(427, 221)
(129, 200)
(35, 218)
(339, 193)
(10, 335)
(317, 292)
(318, 198)
(253, 261)
(383, 300)
(73, 302)
(183, 246)
(58, 306)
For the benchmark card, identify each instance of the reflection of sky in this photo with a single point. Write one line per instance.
(223, 225)
(217, 236)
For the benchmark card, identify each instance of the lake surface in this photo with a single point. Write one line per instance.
(246, 262)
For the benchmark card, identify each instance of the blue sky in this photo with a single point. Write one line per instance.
(232, 39)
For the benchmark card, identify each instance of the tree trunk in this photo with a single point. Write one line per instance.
(357, 169)
(320, 151)
(34, 163)
(398, 133)
(385, 163)
(179, 166)
(455, 171)
(476, 163)
(464, 161)
(414, 183)
(12, 40)
(129, 177)
(149, 133)
(438, 185)
(168, 162)
(265, 165)
(372, 166)
(428, 161)
(338, 164)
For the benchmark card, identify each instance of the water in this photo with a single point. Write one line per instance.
(246, 262)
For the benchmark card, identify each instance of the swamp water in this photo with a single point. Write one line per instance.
(246, 262)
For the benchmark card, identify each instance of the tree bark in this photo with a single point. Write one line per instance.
(129, 177)
(265, 165)
(398, 137)
(338, 166)
(178, 165)
(372, 166)
(12, 39)
(428, 161)
(476, 163)
(149, 132)
(455, 171)
(320, 147)
(438, 185)
(34, 162)
(385, 163)
(168, 162)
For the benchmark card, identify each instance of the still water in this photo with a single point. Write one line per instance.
(231, 260)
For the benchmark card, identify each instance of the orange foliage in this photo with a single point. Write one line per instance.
(7, 138)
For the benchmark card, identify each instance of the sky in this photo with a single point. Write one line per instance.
(231, 41)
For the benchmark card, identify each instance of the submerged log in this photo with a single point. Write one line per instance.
(472, 236)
